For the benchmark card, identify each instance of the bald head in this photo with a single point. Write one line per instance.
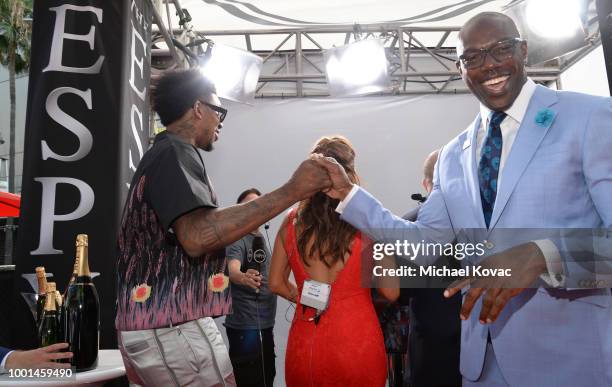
(481, 23)
(492, 59)
(428, 170)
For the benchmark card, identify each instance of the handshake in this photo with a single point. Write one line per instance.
(319, 173)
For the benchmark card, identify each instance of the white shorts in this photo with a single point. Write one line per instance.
(189, 354)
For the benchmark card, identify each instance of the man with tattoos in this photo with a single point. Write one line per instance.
(172, 276)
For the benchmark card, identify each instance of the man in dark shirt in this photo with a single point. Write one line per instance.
(172, 274)
(250, 326)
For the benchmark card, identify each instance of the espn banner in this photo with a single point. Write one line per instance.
(87, 127)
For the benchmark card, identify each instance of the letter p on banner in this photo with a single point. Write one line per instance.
(48, 217)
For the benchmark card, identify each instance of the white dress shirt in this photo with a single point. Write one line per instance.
(509, 126)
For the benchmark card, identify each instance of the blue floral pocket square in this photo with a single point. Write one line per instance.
(545, 117)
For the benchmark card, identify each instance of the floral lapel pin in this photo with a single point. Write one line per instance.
(544, 118)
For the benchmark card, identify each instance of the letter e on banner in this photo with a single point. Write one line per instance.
(59, 34)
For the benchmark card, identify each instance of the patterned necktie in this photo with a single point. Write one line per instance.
(488, 167)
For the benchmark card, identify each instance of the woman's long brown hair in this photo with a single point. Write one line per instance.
(320, 231)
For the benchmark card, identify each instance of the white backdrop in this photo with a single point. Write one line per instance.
(261, 145)
(588, 75)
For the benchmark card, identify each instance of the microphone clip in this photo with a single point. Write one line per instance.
(418, 197)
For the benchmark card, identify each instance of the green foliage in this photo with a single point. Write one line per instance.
(15, 36)
(15, 33)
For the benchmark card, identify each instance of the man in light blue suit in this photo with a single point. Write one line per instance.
(533, 160)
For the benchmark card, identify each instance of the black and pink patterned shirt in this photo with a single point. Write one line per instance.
(158, 284)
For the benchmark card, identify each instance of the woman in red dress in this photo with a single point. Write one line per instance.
(344, 345)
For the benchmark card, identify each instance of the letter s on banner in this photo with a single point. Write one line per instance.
(68, 122)
(136, 113)
(47, 212)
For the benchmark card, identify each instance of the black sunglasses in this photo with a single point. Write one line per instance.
(500, 51)
(222, 112)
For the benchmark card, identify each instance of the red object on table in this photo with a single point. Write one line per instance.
(9, 205)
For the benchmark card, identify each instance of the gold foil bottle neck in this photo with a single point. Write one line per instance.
(50, 300)
(82, 256)
(42, 280)
(82, 240)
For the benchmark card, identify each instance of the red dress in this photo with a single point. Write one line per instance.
(345, 347)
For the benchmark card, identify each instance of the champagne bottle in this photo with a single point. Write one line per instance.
(42, 290)
(82, 313)
(49, 329)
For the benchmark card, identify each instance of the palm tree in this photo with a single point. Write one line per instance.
(15, 33)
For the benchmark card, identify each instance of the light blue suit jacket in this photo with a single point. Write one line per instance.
(557, 175)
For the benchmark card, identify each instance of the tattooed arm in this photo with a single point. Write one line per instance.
(204, 230)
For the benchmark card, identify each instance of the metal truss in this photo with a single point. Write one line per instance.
(416, 67)
(421, 59)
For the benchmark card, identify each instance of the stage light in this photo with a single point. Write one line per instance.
(552, 28)
(356, 69)
(554, 19)
(234, 72)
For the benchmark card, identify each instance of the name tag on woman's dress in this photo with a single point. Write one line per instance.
(315, 294)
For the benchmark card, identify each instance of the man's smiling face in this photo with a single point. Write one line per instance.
(497, 81)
